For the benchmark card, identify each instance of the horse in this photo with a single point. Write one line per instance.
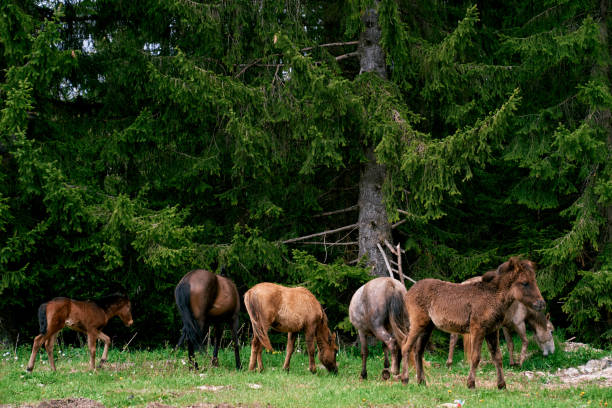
(289, 310)
(88, 317)
(477, 309)
(514, 321)
(203, 299)
(377, 309)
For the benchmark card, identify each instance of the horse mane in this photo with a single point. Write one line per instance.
(107, 301)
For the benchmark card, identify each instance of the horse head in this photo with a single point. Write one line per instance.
(544, 337)
(125, 313)
(520, 275)
(327, 352)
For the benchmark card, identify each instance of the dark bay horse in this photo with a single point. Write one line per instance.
(477, 309)
(289, 310)
(377, 309)
(87, 317)
(203, 299)
(514, 321)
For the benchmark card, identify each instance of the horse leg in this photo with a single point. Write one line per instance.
(255, 350)
(454, 338)
(290, 347)
(193, 364)
(217, 341)
(92, 338)
(493, 344)
(106, 341)
(522, 332)
(408, 346)
(38, 342)
(235, 328)
(390, 347)
(49, 347)
(476, 338)
(309, 333)
(419, 349)
(509, 344)
(363, 340)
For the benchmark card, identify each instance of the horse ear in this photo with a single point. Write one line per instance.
(489, 276)
(548, 316)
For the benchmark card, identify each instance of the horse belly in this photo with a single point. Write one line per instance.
(287, 321)
(445, 322)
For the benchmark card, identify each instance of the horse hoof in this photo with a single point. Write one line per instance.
(471, 385)
(449, 364)
(214, 362)
(404, 381)
(501, 386)
(385, 374)
(29, 369)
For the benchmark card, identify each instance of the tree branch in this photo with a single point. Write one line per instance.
(346, 227)
(351, 208)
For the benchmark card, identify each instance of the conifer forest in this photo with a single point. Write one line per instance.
(290, 141)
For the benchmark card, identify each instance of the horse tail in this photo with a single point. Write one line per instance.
(251, 302)
(191, 330)
(398, 316)
(42, 318)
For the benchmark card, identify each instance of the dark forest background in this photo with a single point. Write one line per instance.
(142, 139)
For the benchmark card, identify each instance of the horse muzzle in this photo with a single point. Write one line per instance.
(539, 305)
(131, 322)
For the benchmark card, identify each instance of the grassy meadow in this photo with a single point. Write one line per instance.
(141, 377)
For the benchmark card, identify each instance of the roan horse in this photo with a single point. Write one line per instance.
(377, 309)
(87, 317)
(203, 299)
(514, 321)
(477, 309)
(289, 310)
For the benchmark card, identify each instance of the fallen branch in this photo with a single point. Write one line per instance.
(319, 234)
(350, 54)
(128, 343)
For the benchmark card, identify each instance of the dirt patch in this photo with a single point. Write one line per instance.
(64, 403)
(208, 405)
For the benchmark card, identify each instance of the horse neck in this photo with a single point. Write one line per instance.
(536, 320)
(112, 310)
(322, 335)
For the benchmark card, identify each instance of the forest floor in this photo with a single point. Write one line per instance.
(574, 376)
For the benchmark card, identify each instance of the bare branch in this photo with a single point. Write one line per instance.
(344, 56)
(351, 208)
(346, 227)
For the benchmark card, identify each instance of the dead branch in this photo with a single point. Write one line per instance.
(334, 44)
(329, 243)
(325, 214)
(318, 234)
(344, 56)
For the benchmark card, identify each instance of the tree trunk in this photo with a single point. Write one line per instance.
(603, 118)
(374, 226)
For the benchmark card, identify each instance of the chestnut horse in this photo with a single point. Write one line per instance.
(477, 309)
(377, 309)
(87, 317)
(514, 321)
(203, 299)
(289, 310)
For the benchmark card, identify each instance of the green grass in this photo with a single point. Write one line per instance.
(137, 378)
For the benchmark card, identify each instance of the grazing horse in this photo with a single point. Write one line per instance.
(205, 299)
(477, 309)
(377, 309)
(87, 317)
(514, 321)
(289, 310)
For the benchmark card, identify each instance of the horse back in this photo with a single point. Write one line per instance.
(227, 301)
(452, 307)
(77, 314)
